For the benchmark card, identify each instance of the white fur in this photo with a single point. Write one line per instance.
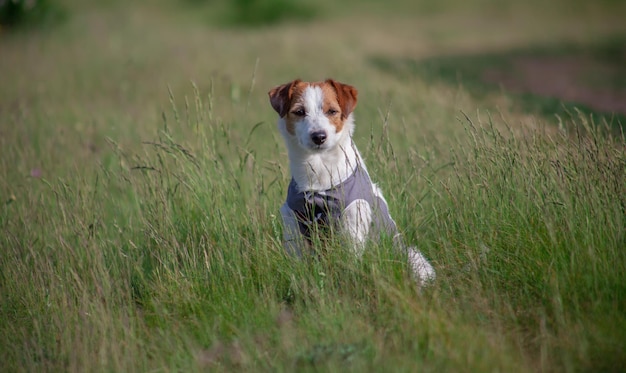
(356, 221)
(320, 167)
(422, 270)
(292, 239)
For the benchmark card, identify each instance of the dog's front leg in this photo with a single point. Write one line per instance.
(292, 239)
(355, 223)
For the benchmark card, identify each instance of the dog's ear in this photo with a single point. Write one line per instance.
(346, 95)
(280, 97)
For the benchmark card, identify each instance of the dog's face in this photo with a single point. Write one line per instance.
(314, 114)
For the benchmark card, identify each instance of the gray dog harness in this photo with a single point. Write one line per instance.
(315, 210)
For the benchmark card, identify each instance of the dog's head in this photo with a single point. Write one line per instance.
(317, 115)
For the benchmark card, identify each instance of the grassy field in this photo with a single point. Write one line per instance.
(141, 175)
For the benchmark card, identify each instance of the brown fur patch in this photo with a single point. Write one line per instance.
(331, 103)
(346, 96)
(296, 99)
(281, 96)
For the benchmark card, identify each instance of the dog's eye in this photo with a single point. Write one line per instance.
(298, 112)
(331, 112)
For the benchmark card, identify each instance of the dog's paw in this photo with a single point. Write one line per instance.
(423, 271)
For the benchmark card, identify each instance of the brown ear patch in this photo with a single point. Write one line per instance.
(346, 96)
(280, 97)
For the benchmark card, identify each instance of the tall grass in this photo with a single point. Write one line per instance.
(535, 224)
(169, 258)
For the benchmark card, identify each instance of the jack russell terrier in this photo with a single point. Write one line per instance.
(330, 186)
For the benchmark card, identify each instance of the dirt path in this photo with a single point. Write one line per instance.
(582, 79)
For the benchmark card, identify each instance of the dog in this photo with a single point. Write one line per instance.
(330, 185)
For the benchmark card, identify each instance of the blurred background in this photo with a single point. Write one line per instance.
(104, 68)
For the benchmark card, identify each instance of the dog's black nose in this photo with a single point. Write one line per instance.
(318, 137)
